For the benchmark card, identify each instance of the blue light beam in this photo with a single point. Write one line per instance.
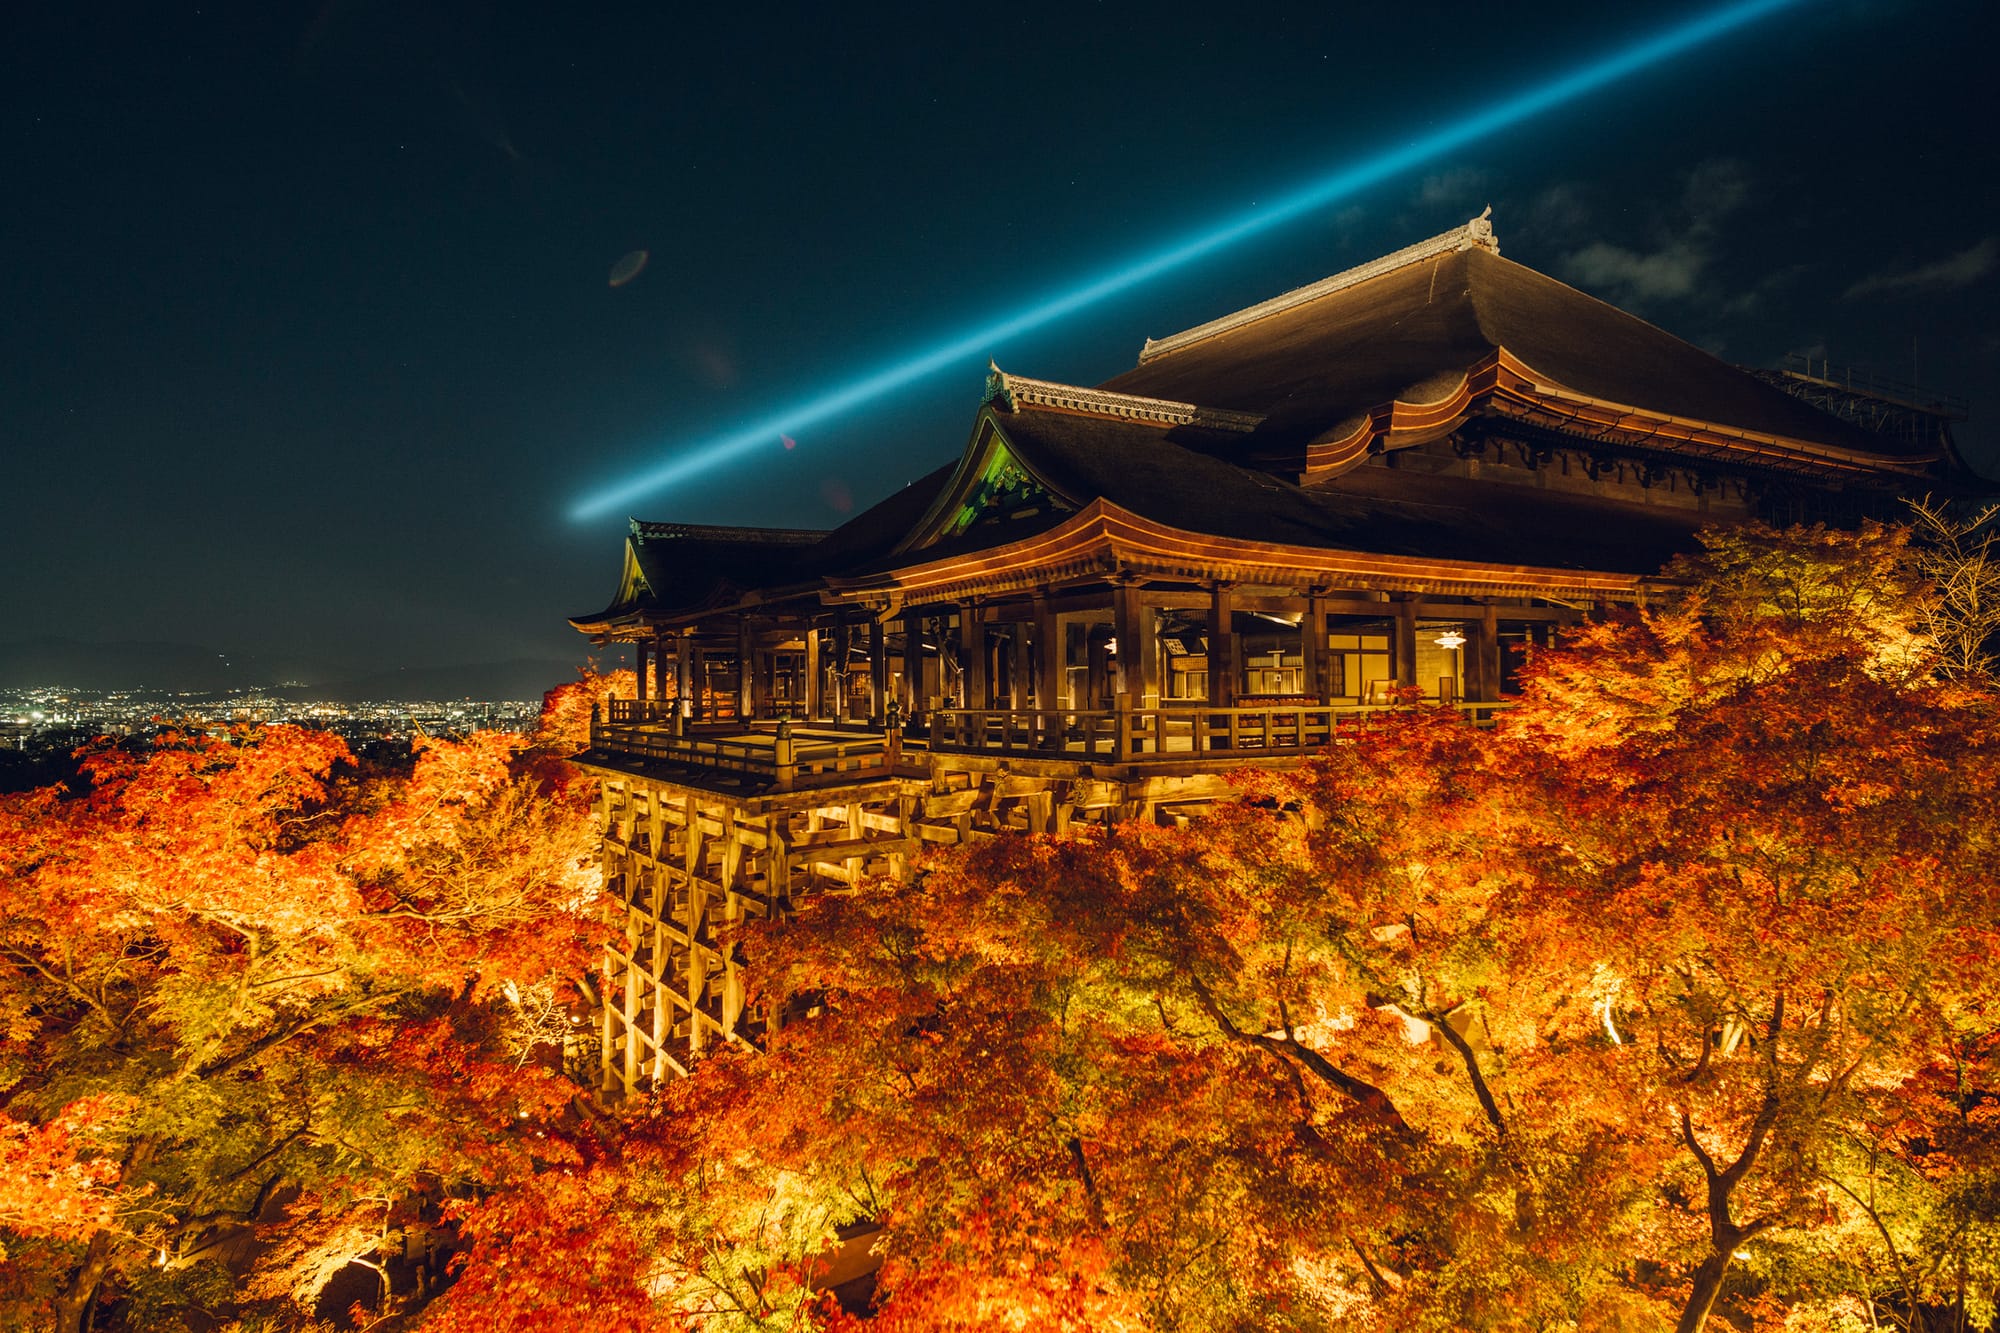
(1347, 181)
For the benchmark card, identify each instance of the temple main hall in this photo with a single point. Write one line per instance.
(1383, 490)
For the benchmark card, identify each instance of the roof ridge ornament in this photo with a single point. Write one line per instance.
(999, 388)
(1016, 390)
(1476, 234)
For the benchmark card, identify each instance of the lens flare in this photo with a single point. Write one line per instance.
(960, 348)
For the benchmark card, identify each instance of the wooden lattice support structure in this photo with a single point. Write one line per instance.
(686, 864)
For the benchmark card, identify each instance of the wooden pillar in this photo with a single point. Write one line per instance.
(913, 667)
(878, 670)
(1486, 648)
(972, 644)
(746, 669)
(764, 680)
(1132, 626)
(1015, 645)
(843, 645)
(1312, 644)
(1049, 664)
(684, 674)
(1404, 654)
(1221, 648)
(813, 673)
(698, 677)
(639, 668)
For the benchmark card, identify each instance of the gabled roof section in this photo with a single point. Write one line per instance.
(1318, 362)
(992, 484)
(1172, 476)
(671, 567)
(1478, 233)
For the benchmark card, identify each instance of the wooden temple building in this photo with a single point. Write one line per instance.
(1393, 483)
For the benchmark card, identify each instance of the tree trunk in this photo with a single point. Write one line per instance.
(72, 1304)
(1707, 1286)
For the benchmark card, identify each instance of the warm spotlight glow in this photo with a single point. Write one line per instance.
(974, 343)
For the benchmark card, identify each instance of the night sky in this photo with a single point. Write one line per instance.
(308, 345)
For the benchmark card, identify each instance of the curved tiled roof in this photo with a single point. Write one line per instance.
(1315, 364)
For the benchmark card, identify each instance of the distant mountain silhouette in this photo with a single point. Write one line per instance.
(129, 665)
(523, 678)
(193, 668)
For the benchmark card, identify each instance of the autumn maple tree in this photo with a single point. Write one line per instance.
(1671, 995)
(264, 1010)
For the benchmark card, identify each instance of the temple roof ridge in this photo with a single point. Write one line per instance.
(1477, 233)
(1014, 391)
(710, 532)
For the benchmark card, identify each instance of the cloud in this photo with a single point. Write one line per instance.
(1558, 213)
(1666, 274)
(1459, 187)
(1714, 190)
(1960, 270)
(1672, 267)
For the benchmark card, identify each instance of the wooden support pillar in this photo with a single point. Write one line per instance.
(746, 669)
(1132, 625)
(1313, 650)
(1221, 648)
(1049, 664)
(639, 669)
(814, 674)
(914, 699)
(843, 646)
(684, 674)
(697, 678)
(1486, 649)
(878, 670)
(972, 643)
(1015, 644)
(696, 977)
(1404, 652)
(764, 687)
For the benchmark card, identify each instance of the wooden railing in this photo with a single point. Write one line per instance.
(785, 758)
(766, 752)
(1151, 734)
